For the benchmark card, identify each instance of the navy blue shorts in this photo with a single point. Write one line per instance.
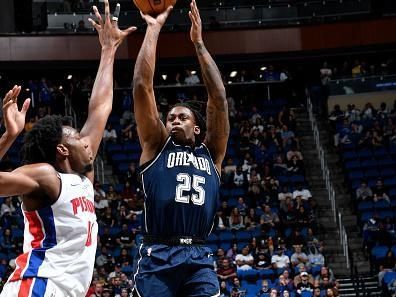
(175, 271)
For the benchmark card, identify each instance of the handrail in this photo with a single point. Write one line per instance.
(329, 184)
(69, 111)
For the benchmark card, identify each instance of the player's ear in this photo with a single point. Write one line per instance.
(197, 130)
(62, 150)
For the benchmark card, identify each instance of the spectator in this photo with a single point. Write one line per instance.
(191, 79)
(109, 134)
(269, 219)
(385, 265)
(301, 191)
(265, 290)
(236, 220)
(315, 257)
(125, 238)
(244, 260)
(298, 279)
(279, 260)
(226, 272)
(380, 192)
(223, 289)
(364, 192)
(304, 285)
(299, 257)
(262, 261)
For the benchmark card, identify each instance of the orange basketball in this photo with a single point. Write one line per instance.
(153, 7)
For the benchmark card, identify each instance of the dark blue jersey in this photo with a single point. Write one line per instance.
(181, 187)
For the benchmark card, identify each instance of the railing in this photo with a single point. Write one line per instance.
(329, 184)
(69, 111)
(99, 169)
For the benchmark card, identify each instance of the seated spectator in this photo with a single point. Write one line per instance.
(283, 283)
(368, 112)
(286, 293)
(124, 258)
(284, 193)
(295, 166)
(242, 207)
(299, 257)
(244, 260)
(107, 220)
(265, 290)
(239, 177)
(269, 219)
(7, 242)
(262, 261)
(236, 284)
(236, 220)
(380, 191)
(226, 272)
(279, 260)
(232, 252)
(315, 257)
(331, 292)
(364, 192)
(223, 289)
(298, 277)
(191, 79)
(326, 278)
(304, 285)
(100, 202)
(294, 152)
(317, 292)
(125, 238)
(221, 222)
(220, 256)
(386, 264)
(301, 191)
(109, 134)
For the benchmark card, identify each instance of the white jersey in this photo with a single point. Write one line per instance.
(60, 240)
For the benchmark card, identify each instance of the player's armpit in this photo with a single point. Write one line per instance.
(28, 179)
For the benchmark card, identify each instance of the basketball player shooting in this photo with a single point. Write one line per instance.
(56, 188)
(179, 165)
(14, 119)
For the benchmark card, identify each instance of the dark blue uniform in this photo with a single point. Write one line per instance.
(181, 187)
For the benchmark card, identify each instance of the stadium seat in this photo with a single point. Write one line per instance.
(379, 251)
(243, 235)
(226, 236)
(382, 204)
(365, 205)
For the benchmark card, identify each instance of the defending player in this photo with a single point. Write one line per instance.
(56, 188)
(180, 167)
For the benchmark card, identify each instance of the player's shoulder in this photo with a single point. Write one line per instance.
(37, 170)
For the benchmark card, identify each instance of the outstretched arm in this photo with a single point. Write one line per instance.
(218, 126)
(14, 119)
(151, 130)
(100, 104)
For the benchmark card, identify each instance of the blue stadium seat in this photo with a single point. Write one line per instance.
(114, 147)
(212, 238)
(370, 163)
(349, 155)
(365, 205)
(306, 294)
(388, 277)
(366, 215)
(379, 251)
(358, 175)
(242, 235)
(266, 273)
(226, 236)
(225, 245)
(213, 246)
(383, 214)
(387, 172)
(364, 153)
(236, 192)
(353, 164)
(390, 182)
(122, 168)
(373, 172)
(382, 204)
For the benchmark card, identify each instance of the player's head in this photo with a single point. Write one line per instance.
(53, 141)
(185, 124)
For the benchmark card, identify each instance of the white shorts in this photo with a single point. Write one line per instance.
(32, 287)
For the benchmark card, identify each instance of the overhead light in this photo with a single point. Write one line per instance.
(27, 90)
(164, 76)
(69, 76)
(60, 88)
(263, 68)
(233, 73)
(229, 82)
(193, 72)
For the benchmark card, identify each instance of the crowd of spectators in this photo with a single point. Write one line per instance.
(265, 237)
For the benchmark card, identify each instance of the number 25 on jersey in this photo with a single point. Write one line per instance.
(186, 183)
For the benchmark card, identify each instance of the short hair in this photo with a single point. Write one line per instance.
(40, 143)
(195, 108)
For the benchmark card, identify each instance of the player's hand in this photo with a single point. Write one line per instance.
(196, 24)
(14, 119)
(110, 36)
(159, 20)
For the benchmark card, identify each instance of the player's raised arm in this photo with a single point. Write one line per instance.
(151, 130)
(218, 126)
(100, 104)
(14, 119)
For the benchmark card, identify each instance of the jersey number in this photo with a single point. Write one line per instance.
(89, 235)
(185, 184)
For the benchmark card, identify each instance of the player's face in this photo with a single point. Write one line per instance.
(180, 124)
(80, 155)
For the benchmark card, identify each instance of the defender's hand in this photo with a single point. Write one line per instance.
(14, 119)
(110, 36)
(196, 24)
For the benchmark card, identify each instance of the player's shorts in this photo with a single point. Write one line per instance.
(32, 287)
(175, 271)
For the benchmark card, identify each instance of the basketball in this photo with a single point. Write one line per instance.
(153, 7)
